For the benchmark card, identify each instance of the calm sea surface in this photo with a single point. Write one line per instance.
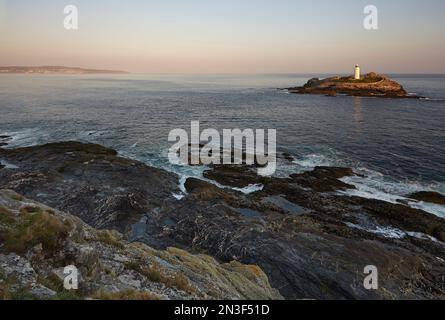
(398, 144)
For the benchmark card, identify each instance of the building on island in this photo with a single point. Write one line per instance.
(357, 72)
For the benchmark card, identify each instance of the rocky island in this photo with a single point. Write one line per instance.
(369, 85)
(55, 70)
(117, 219)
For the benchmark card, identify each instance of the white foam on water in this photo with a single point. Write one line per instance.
(246, 190)
(387, 232)
(422, 236)
(178, 196)
(370, 184)
(8, 165)
(26, 137)
(185, 171)
(251, 188)
(433, 208)
(392, 233)
(182, 181)
(374, 185)
(309, 162)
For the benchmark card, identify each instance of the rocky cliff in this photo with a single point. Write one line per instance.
(37, 242)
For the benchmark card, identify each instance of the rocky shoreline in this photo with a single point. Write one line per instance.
(310, 241)
(110, 268)
(371, 85)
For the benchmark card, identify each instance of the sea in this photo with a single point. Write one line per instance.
(396, 145)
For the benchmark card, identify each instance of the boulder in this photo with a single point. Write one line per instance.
(428, 196)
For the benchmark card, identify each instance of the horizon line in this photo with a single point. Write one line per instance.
(213, 73)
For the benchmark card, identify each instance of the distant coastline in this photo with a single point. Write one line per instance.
(55, 70)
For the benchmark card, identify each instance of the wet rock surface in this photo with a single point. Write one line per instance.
(309, 240)
(103, 189)
(4, 140)
(432, 197)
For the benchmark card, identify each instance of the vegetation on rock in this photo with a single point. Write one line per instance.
(37, 242)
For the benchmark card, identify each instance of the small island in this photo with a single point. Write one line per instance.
(369, 85)
(55, 70)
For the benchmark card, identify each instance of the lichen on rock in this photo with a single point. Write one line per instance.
(36, 242)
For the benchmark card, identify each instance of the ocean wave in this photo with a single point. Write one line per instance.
(433, 99)
(251, 188)
(8, 165)
(392, 233)
(26, 137)
(372, 184)
(310, 161)
(185, 172)
(379, 187)
(369, 183)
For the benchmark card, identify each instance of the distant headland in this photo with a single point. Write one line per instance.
(55, 70)
(369, 85)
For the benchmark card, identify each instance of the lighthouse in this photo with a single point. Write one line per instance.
(357, 72)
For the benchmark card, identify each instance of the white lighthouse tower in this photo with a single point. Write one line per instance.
(357, 72)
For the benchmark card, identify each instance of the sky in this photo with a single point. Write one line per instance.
(231, 36)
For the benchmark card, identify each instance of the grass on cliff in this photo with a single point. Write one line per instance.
(8, 293)
(10, 290)
(16, 197)
(155, 274)
(54, 283)
(130, 294)
(106, 237)
(35, 226)
(21, 294)
(6, 216)
(365, 79)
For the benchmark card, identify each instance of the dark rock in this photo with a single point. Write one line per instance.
(240, 162)
(4, 140)
(206, 191)
(288, 157)
(414, 220)
(310, 243)
(234, 176)
(428, 196)
(324, 179)
(88, 180)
